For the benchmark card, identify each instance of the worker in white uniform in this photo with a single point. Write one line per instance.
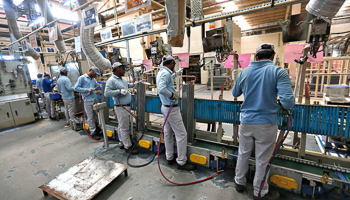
(87, 86)
(168, 95)
(260, 83)
(117, 87)
(48, 85)
(64, 86)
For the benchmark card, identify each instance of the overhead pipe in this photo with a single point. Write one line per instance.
(48, 24)
(250, 10)
(88, 46)
(324, 8)
(59, 43)
(12, 22)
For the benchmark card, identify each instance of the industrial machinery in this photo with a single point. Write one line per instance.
(218, 40)
(17, 101)
(293, 169)
(156, 50)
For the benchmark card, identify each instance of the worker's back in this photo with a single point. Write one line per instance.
(260, 84)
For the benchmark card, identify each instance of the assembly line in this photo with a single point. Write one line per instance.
(213, 99)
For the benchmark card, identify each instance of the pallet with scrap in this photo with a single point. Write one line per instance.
(84, 180)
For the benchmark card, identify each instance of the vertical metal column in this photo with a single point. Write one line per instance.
(127, 51)
(188, 111)
(301, 152)
(212, 79)
(141, 104)
(105, 99)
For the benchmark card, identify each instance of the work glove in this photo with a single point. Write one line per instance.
(179, 72)
(176, 95)
(89, 90)
(123, 92)
(54, 78)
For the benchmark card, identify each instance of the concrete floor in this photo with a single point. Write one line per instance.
(34, 154)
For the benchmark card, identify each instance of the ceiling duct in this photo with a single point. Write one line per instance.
(88, 46)
(12, 22)
(324, 8)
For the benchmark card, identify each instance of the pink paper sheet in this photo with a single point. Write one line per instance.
(243, 61)
(184, 60)
(293, 51)
(147, 64)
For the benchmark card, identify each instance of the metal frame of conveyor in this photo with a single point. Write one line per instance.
(288, 171)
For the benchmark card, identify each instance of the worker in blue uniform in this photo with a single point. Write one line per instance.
(117, 87)
(64, 86)
(168, 95)
(260, 83)
(39, 85)
(48, 85)
(87, 86)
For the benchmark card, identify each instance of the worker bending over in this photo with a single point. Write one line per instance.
(48, 85)
(64, 86)
(39, 85)
(117, 88)
(168, 95)
(87, 86)
(261, 82)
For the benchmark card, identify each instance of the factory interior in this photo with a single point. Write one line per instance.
(174, 99)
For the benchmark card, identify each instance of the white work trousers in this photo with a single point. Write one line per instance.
(175, 124)
(50, 109)
(263, 137)
(89, 112)
(123, 126)
(69, 105)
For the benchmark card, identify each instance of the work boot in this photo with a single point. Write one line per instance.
(240, 188)
(272, 195)
(131, 150)
(121, 147)
(172, 161)
(187, 166)
(95, 137)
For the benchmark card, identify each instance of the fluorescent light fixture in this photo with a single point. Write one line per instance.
(64, 13)
(67, 3)
(241, 22)
(229, 6)
(156, 26)
(37, 21)
(37, 8)
(17, 2)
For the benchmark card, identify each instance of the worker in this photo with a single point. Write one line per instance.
(48, 85)
(117, 88)
(64, 86)
(39, 85)
(168, 95)
(87, 86)
(260, 83)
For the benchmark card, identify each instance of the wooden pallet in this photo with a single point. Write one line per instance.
(84, 180)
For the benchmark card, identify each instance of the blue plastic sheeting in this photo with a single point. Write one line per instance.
(221, 111)
(324, 120)
(153, 104)
(132, 103)
(316, 119)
